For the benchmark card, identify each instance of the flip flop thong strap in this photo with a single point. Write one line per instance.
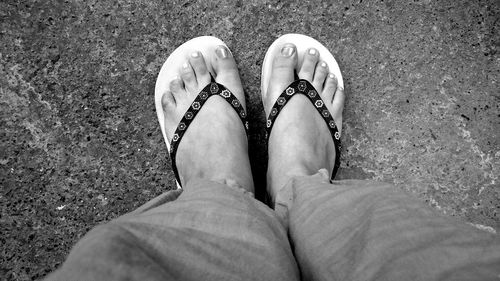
(212, 89)
(302, 86)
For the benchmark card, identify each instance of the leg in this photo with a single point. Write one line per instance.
(210, 232)
(364, 230)
(355, 230)
(215, 229)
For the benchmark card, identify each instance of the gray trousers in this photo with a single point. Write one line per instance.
(348, 230)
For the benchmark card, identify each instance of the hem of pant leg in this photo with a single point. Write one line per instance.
(286, 195)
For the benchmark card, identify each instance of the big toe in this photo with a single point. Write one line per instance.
(282, 74)
(226, 71)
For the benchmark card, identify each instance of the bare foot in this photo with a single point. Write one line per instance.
(214, 146)
(300, 142)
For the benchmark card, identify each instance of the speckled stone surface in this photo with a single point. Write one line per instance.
(80, 144)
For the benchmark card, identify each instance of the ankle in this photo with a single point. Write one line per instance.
(279, 175)
(245, 184)
(236, 176)
(237, 183)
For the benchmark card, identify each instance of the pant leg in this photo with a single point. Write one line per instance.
(209, 232)
(365, 230)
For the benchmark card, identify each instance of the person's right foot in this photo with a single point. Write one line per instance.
(214, 146)
(300, 142)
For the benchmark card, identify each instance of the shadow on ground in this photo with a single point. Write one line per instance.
(81, 144)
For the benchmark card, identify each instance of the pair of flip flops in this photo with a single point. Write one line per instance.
(207, 45)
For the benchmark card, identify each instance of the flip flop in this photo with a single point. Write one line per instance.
(301, 86)
(170, 69)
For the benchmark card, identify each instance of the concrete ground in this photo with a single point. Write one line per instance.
(80, 142)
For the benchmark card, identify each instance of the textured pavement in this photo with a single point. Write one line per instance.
(80, 143)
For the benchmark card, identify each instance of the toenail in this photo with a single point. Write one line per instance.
(195, 54)
(185, 65)
(323, 64)
(312, 51)
(287, 50)
(222, 52)
(331, 75)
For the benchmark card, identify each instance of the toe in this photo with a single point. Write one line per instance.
(282, 73)
(224, 58)
(337, 101)
(176, 85)
(226, 71)
(177, 89)
(170, 112)
(167, 101)
(330, 87)
(284, 63)
(200, 69)
(308, 66)
(189, 78)
(320, 76)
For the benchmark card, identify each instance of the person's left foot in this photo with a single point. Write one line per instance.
(300, 142)
(214, 146)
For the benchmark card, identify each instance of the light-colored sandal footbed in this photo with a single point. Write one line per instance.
(171, 68)
(302, 42)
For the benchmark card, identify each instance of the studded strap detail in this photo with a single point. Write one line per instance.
(212, 89)
(305, 88)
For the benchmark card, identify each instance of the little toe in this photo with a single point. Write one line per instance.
(337, 99)
(330, 87)
(189, 78)
(200, 69)
(339, 96)
(320, 76)
(308, 66)
(170, 111)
